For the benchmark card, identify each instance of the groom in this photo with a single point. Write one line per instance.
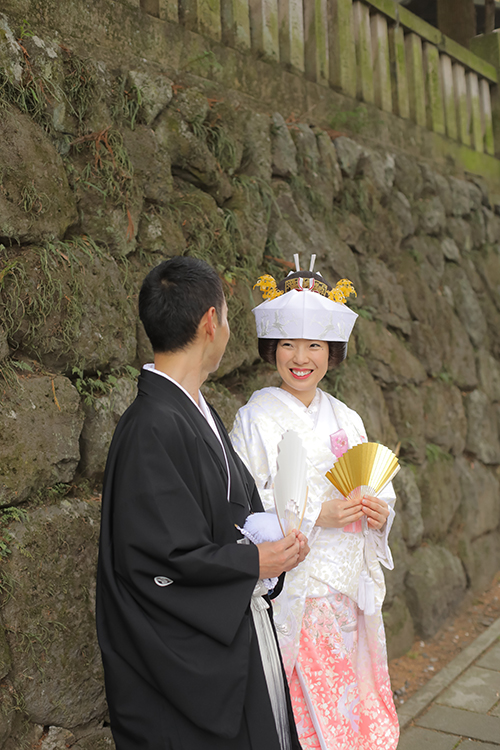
(186, 664)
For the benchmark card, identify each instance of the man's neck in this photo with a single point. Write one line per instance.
(185, 367)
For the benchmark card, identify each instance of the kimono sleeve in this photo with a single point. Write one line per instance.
(249, 444)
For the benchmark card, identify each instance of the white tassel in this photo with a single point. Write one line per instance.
(297, 263)
(311, 264)
(366, 593)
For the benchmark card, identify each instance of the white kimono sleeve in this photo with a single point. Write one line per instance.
(248, 444)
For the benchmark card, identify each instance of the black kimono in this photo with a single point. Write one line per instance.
(181, 659)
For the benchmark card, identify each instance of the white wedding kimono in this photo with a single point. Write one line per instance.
(322, 594)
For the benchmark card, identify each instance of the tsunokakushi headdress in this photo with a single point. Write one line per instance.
(304, 306)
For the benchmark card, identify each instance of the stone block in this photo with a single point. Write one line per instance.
(284, 150)
(458, 354)
(190, 156)
(349, 153)
(395, 578)
(426, 347)
(461, 197)
(63, 322)
(40, 425)
(50, 615)
(159, 232)
(409, 506)
(11, 56)
(337, 261)
(461, 233)
(406, 411)
(450, 250)
(384, 295)
(492, 226)
(478, 229)
(400, 206)
(398, 628)
(482, 435)
(444, 416)
(466, 304)
(225, 404)
(341, 46)
(491, 659)
(257, 146)
(408, 177)
(156, 93)
(352, 382)
(36, 201)
(480, 505)
(435, 586)
(458, 722)
(488, 265)
(5, 658)
(431, 215)
(484, 561)
(151, 164)
(329, 167)
(439, 486)
(378, 169)
(101, 418)
(388, 359)
(416, 738)
(489, 374)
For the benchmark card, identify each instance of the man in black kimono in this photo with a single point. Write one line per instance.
(182, 661)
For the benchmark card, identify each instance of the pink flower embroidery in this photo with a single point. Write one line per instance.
(339, 443)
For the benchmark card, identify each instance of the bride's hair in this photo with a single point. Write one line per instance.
(337, 351)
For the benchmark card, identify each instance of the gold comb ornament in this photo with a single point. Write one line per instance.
(341, 291)
(364, 469)
(267, 285)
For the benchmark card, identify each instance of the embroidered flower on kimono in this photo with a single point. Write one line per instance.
(339, 443)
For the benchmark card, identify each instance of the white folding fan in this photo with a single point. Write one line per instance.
(290, 482)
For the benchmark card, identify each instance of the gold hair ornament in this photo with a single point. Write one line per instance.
(342, 290)
(267, 285)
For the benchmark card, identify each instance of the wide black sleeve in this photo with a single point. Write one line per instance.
(166, 518)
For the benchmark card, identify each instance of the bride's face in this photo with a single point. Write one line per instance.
(302, 363)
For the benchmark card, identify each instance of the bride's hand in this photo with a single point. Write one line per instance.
(338, 512)
(375, 510)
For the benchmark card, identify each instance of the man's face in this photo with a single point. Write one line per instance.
(221, 337)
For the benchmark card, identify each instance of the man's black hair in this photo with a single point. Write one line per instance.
(174, 297)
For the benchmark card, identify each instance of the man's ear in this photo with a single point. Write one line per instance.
(209, 322)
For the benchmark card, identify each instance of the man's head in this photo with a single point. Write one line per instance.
(173, 299)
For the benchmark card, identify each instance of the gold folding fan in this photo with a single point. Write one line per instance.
(367, 465)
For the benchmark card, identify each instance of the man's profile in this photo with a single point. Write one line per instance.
(186, 666)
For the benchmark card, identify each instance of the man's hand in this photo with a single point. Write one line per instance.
(338, 512)
(276, 557)
(375, 510)
(304, 546)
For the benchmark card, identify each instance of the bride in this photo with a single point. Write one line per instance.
(328, 615)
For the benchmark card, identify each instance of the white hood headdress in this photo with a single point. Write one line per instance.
(307, 308)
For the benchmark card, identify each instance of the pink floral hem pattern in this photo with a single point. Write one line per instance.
(343, 665)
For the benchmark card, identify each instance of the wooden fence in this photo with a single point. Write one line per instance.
(371, 50)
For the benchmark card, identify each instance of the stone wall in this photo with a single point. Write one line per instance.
(108, 164)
